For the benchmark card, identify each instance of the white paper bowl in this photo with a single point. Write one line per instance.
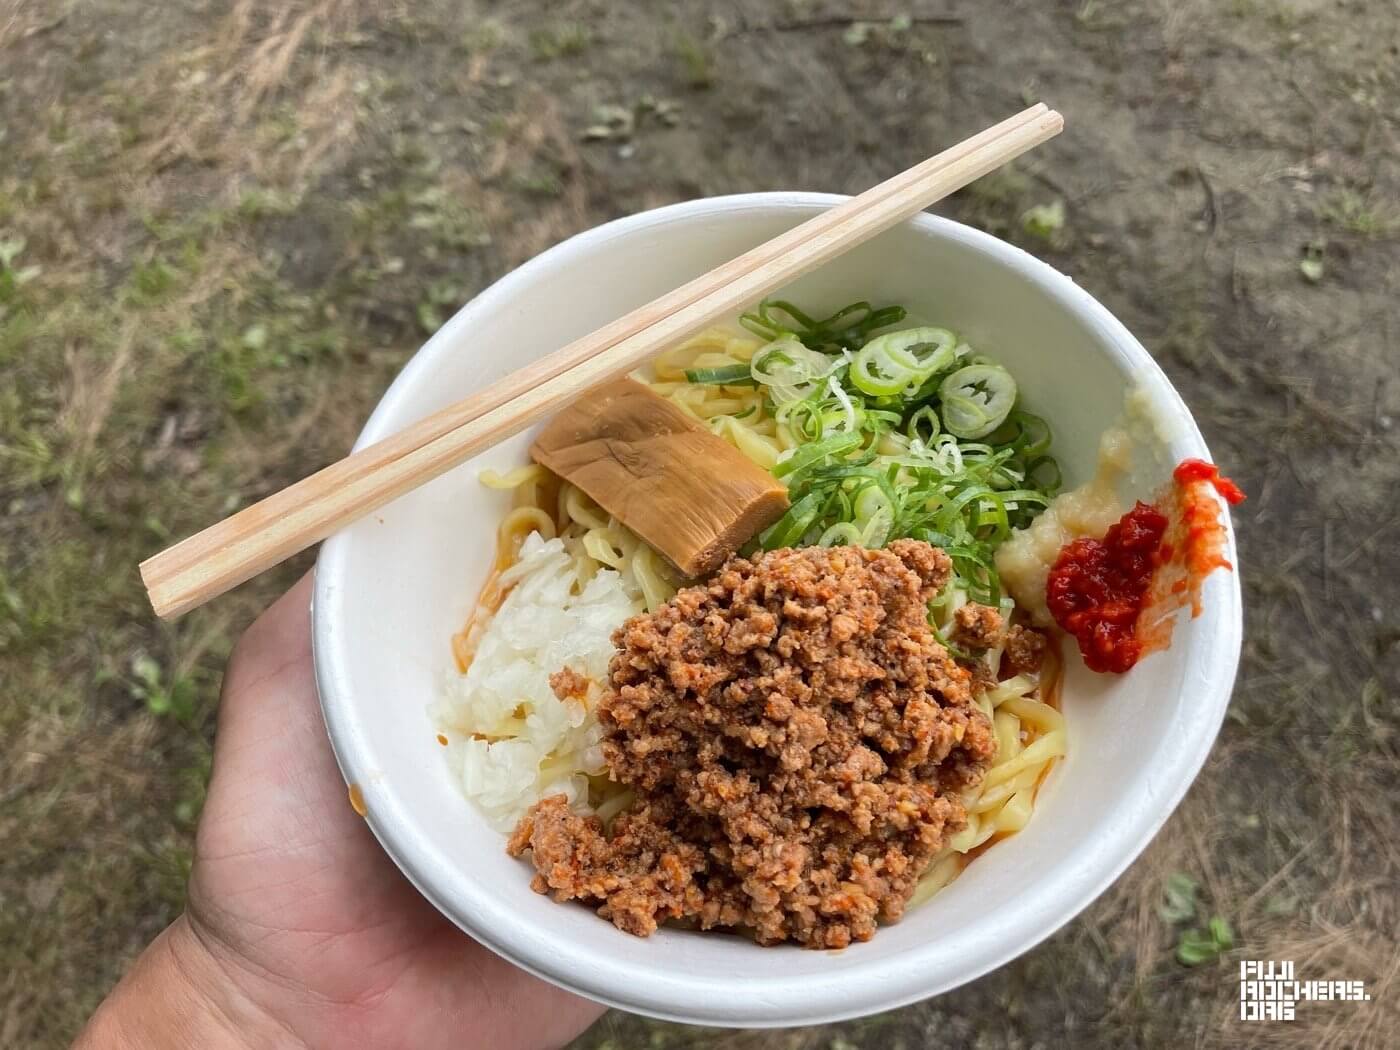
(391, 590)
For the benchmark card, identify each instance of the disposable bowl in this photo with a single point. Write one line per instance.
(391, 590)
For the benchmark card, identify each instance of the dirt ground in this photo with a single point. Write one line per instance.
(224, 226)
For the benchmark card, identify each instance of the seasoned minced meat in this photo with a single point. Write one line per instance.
(568, 685)
(1025, 650)
(976, 626)
(981, 627)
(797, 740)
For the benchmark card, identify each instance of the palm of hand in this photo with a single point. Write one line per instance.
(294, 897)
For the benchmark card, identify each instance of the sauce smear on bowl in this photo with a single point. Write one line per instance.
(1117, 595)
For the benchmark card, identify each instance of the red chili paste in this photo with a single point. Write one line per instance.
(1189, 470)
(1117, 595)
(1097, 588)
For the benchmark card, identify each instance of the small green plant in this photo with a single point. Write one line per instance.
(150, 282)
(441, 294)
(483, 38)
(12, 277)
(1311, 265)
(173, 697)
(450, 222)
(1180, 905)
(610, 122)
(620, 123)
(1200, 946)
(1044, 220)
(559, 41)
(259, 203)
(1358, 214)
(696, 62)
(539, 183)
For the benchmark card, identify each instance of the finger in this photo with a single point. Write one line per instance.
(275, 646)
(276, 790)
(269, 726)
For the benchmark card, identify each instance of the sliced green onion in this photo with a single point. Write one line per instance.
(877, 528)
(807, 455)
(1034, 438)
(804, 323)
(871, 378)
(976, 399)
(843, 319)
(1044, 471)
(792, 526)
(847, 329)
(899, 433)
(842, 534)
(923, 422)
(728, 375)
(790, 370)
(901, 362)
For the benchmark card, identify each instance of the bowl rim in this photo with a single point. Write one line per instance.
(874, 983)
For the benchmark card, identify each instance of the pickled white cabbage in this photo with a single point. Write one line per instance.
(511, 740)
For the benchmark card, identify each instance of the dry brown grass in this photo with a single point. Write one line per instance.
(222, 85)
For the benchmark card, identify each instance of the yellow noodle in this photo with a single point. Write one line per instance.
(511, 479)
(1007, 728)
(1009, 689)
(578, 507)
(1042, 716)
(996, 796)
(939, 874)
(584, 565)
(657, 589)
(613, 805)
(602, 546)
(1016, 813)
(1051, 745)
(762, 450)
(714, 359)
(518, 524)
(722, 406)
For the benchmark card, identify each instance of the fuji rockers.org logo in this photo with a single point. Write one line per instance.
(1269, 991)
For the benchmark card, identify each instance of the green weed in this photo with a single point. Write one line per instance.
(559, 41)
(482, 38)
(1181, 904)
(440, 296)
(1359, 214)
(165, 695)
(696, 62)
(1044, 221)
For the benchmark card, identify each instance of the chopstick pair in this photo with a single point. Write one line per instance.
(207, 564)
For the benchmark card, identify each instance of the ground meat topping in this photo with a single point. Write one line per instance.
(797, 741)
(567, 684)
(977, 626)
(1025, 650)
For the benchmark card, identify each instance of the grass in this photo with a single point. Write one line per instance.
(564, 40)
(696, 61)
(222, 233)
(1362, 214)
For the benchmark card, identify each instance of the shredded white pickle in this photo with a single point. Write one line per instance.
(511, 740)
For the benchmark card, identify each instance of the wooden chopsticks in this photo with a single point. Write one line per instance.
(224, 555)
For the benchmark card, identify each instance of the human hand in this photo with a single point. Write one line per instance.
(299, 931)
